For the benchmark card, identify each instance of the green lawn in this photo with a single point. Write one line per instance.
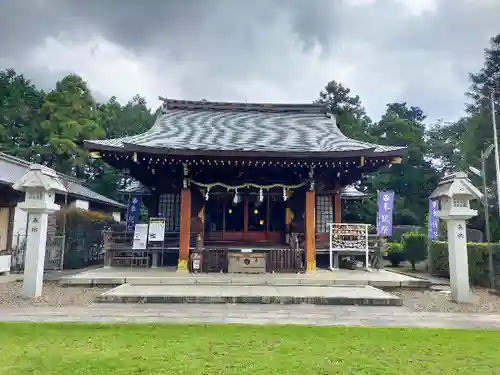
(73, 349)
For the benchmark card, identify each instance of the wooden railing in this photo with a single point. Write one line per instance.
(118, 249)
(119, 240)
(117, 246)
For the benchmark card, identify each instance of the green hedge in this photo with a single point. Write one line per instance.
(414, 247)
(478, 261)
(395, 253)
(83, 236)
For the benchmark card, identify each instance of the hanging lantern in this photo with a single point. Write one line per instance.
(236, 197)
(284, 194)
(206, 194)
(261, 195)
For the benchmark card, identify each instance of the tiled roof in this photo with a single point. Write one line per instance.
(135, 187)
(242, 127)
(12, 169)
(350, 192)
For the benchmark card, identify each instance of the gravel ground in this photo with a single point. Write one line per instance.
(54, 295)
(435, 301)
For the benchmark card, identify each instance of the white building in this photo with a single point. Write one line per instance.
(13, 220)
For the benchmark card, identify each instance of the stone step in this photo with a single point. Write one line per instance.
(264, 294)
(112, 277)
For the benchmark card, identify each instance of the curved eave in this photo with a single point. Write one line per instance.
(128, 148)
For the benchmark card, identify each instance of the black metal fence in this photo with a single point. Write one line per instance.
(54, 252)
(61, 252)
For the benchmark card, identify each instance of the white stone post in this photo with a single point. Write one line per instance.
(34, 259)
(458, 261)
(39, 185)
(453, 194)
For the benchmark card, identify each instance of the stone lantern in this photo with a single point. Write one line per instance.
(39, 185)
(454, 193)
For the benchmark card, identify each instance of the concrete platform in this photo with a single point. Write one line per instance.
(159, 276)
(263, 294)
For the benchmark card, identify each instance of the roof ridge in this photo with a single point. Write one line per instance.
(27, 164)
(14, 159)
(313, 108)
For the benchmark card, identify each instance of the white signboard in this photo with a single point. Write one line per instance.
(140, 237)
(156, 230)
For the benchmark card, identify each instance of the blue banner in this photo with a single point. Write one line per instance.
(385, 210)
(433, 220)
(134, 207)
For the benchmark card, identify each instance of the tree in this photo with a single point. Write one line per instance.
(50, 128)
(414, 248)
(476, 131)
(69, 116)
(415, 178)
(118, 121)
(20, 103)
(444, 145)
(486, 80)
(350, 113)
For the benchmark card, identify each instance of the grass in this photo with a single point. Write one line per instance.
(74, 349)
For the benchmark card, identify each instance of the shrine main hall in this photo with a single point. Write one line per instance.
(232, 176)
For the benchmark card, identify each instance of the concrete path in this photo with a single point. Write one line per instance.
(253, 314)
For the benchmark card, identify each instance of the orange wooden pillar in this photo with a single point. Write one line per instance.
(245, 215)
(185, 231)
(337, 205)
(310, 231)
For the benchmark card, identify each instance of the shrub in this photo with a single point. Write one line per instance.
(478, 261)
(414, 247)
(398, 231)
(82, 231)
(395, 253)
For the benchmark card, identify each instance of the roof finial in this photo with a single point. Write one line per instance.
(163, 105)
(334, 119)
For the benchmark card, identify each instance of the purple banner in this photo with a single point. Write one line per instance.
(433, 220)
(384, 216)
(134, 207)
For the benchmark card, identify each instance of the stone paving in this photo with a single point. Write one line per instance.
(253, 314)
(265, 294)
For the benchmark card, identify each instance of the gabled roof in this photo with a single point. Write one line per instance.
(350, 192)
(12, 169)
(134, 188)
(201, 127)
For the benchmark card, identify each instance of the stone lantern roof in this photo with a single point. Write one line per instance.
(456, 184)
(39, 176)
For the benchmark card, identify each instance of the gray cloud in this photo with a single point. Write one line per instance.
(225, 45)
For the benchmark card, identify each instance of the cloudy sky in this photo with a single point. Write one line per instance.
(419, 51)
